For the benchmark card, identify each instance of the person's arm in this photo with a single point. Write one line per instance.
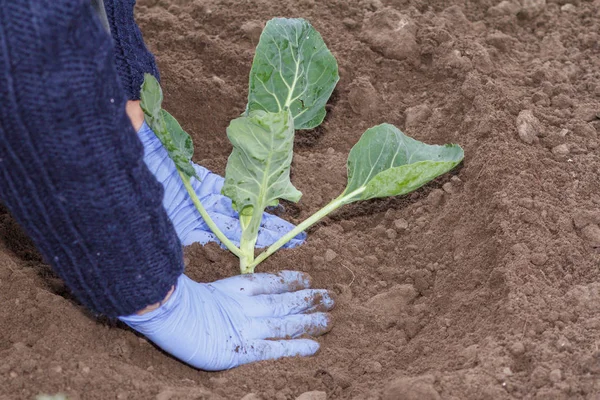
(132, 57)
(72, 174)
(71, 166)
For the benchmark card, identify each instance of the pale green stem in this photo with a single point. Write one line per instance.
(250, 227)
(310, 221)
(207, 219)
(247, 248)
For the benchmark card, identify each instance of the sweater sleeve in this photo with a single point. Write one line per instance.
(71, 165)
(133, 59)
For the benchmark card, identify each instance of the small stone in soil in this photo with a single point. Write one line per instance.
(391, 234)
(539, 259)
(517, 349)
(526, 202)
(560, 150)
(401, 224)
(539, 376)
(373, 367)
(528, 126)
(348, 225)
(349, 23)
(314, 395)
(436, 197)
(389, 215)
(448, 187)
(218, 80)
(470, 353)
(380, 231)
(371, 261)
(20, 346)
(555, 375)
(318, 261)
(363, 97)
(563, 133)
(330, 255)
(592, 234)
(252, 30)
(505, 7)
(417, 114)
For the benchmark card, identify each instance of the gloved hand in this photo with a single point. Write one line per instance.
(189, 225)
(227, 323)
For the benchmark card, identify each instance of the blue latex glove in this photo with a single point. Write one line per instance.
(189, 225)
(227, 323)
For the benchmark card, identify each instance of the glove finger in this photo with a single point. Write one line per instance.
(290, 327)
(280, 305)
(197, 230)
(191, 225)
(261, 350)
(263, 283)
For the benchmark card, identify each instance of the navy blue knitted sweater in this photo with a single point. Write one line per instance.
(131, 55)
(71, 167)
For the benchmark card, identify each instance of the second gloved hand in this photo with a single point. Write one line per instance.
(189, 225)
(238, 320)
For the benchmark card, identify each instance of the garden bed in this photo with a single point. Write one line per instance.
(484, 284)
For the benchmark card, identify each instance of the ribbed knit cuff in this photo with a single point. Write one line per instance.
(133, 59)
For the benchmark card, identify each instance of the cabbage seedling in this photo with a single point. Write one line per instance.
(292, 77)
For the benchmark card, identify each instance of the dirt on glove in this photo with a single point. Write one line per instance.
(482, 285)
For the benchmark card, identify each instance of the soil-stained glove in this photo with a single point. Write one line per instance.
(238, 320)
(189, 225)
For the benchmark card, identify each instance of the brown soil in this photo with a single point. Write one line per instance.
(482, 285)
